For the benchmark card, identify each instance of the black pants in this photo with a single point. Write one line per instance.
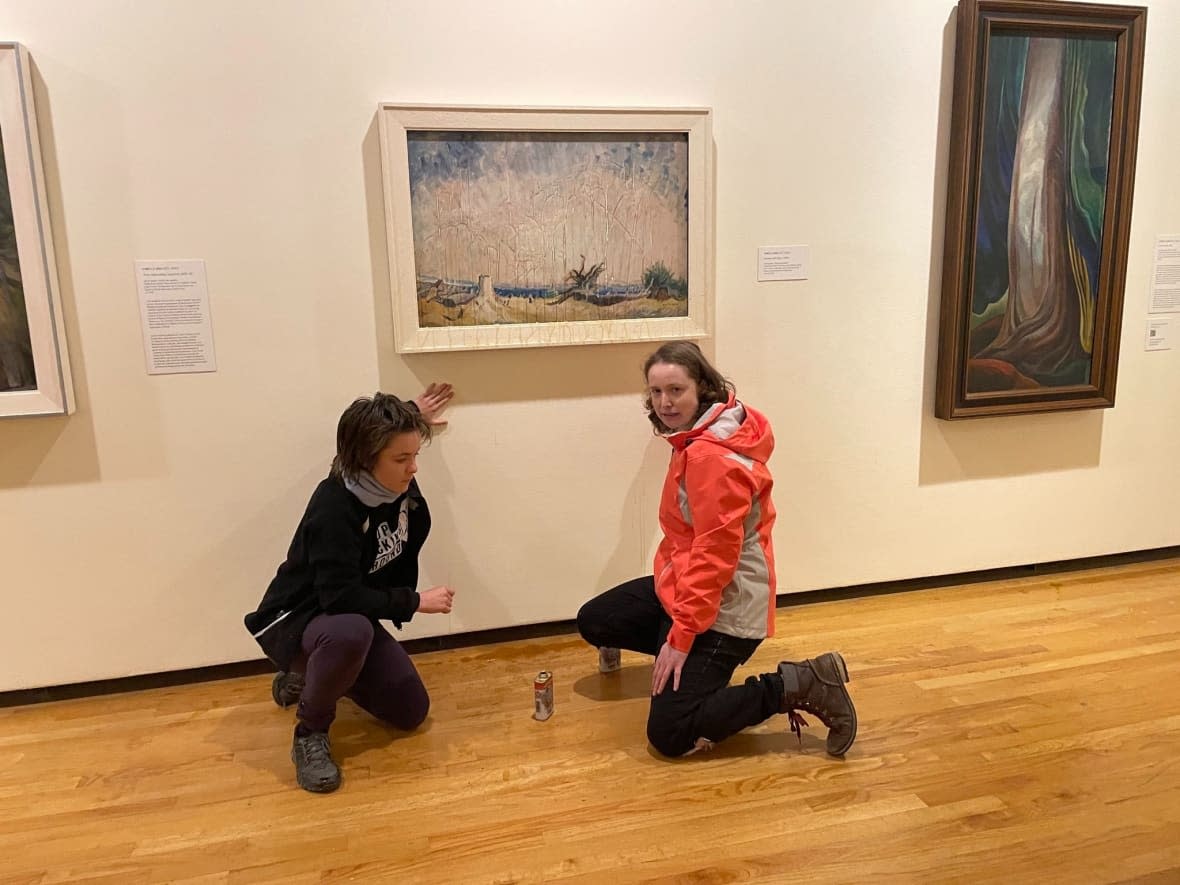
(706, 706)
(350, 656)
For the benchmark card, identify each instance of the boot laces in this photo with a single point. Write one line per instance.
(816, 706)
(797, 723)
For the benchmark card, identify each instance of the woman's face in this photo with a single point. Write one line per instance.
(398, 461)
(674, 396)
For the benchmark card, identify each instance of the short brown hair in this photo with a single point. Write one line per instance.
(712, 386)
(367, 426)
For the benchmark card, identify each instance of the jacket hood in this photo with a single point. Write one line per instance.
(737, 427)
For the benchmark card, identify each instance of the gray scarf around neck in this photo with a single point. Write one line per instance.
(370, 492)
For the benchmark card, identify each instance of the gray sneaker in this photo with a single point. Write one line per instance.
(315, 769)
(817, 686)
(286, 688)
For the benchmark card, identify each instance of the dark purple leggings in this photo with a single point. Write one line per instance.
(349, 656)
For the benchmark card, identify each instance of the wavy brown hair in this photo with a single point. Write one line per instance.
(712, 386)
(367, 426)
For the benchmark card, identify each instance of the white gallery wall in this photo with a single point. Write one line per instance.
(135, 533)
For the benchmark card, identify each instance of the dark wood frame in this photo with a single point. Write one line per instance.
(977, 19)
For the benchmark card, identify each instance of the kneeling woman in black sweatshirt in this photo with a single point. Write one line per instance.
(353, 562)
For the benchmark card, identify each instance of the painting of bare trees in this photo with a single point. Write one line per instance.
(551, 227)
(564, 232)
(1046, 106)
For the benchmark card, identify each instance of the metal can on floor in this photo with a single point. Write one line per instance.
(543, 696)
(609, 660)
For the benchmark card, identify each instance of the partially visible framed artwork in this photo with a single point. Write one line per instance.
(530, 227)
(1044, 129)
(34, 365)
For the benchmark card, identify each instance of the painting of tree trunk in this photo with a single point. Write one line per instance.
(1044, 133)
(1034, 326)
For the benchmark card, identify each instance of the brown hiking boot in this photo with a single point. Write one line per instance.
(817, 686)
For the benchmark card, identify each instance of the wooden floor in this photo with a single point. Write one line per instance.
(1017, 731)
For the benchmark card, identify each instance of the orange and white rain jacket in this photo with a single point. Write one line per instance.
(714, 567)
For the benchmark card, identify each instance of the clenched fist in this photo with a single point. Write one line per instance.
(436, 600)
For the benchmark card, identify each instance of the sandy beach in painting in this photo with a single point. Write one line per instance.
(492, 310)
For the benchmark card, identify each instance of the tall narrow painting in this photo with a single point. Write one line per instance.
(1044, 130)
(534, 227)
(34, 366)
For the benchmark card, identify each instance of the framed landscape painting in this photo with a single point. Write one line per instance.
(1044, 129)
(34, 366)
(529, 227)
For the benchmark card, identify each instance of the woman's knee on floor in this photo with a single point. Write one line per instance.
(670, 737)
(403, 704)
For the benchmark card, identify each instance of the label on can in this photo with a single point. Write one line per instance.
(609, 660)
(543, 696)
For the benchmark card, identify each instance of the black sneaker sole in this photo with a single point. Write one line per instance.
(329, 787)
(316, 786)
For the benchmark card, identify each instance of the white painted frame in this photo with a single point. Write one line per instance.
(34, 240)
(395, 120)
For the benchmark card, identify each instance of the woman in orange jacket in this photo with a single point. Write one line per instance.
(711, 600)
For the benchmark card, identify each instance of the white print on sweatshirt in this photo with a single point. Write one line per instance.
(389, 542)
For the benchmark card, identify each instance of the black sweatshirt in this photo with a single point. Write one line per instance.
(345, 558)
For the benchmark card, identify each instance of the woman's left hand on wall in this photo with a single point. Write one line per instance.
(433, 400)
